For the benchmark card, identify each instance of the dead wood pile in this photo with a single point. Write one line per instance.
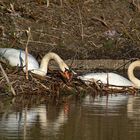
(52, 85)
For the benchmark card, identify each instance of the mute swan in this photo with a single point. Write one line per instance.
(16, 57)
(131, 75)
(115, 79)
(112, 79)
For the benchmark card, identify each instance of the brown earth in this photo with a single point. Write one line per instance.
(75, 29)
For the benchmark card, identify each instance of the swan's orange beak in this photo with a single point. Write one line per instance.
(67, 75)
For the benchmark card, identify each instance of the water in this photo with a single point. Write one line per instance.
(101, 118)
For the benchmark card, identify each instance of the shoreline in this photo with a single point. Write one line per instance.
(98, 64)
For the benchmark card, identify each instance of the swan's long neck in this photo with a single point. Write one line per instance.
(131, 75)
(53, 56)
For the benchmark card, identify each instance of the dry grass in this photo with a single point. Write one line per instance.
(89, 29)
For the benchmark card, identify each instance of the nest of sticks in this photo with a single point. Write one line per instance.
(14, 82)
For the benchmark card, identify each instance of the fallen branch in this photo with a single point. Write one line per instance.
(81, 22)
(8, 81)
(137, 5)
(102, 21)
(26, 51)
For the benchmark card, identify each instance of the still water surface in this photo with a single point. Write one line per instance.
(115, 118)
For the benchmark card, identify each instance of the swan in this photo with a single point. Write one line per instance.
(110, 78)
(113, 79)
(131, 75)
(16, 57)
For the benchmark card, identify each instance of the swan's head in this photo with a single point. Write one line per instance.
(67, 74)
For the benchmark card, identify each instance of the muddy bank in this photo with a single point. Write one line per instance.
(75, 29)
(104, 64)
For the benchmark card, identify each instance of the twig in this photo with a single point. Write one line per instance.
(36, 81)
(7, 79)
(136, 5)
(102, 21)
(39, 42)
(48, 3)
(82, 28)
(61, 3)
(125, 63)
(26, 51)
(127, 33)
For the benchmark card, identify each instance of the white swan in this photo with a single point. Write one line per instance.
(131, 76)
(112, 79)
(16, 57)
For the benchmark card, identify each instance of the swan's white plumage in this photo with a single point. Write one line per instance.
(107, 78)
(131, 75)
(16, 57)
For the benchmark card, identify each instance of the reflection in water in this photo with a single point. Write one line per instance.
(99, 118)
(133, 113)
(133, 107)
(31, 122)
